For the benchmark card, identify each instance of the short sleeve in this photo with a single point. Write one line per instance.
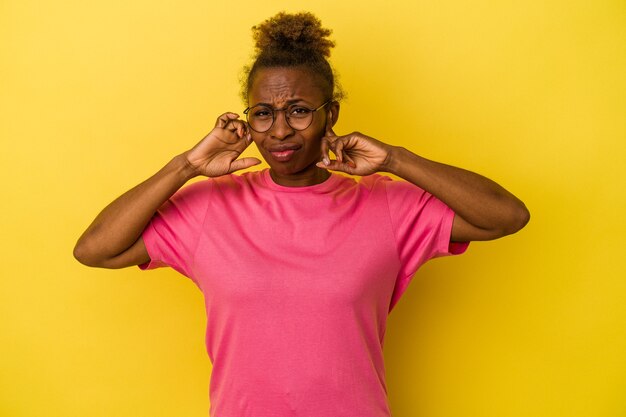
(422, 226)
(172, 235)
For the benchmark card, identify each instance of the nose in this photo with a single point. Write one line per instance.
(280, 129)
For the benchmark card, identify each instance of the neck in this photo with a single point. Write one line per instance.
(304, 178)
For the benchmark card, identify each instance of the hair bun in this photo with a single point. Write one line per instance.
(293, 32)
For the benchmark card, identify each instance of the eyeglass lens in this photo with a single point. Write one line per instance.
(261, 118)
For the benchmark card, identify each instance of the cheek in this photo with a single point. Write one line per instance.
(314, 138)
(257, 139)
(314, 146)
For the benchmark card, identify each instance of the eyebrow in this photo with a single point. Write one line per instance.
(289, 102)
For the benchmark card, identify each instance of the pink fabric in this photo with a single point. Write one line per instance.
(298, 283)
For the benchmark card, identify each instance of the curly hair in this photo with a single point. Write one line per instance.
(293, 40)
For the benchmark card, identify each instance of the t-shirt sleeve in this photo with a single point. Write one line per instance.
(172, 235)
(422, 226)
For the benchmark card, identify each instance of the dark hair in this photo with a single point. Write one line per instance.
(293, 40)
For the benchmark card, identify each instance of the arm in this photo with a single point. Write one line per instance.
(113, 240)
(483, 209)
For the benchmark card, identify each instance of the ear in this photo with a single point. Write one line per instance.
(333, 113)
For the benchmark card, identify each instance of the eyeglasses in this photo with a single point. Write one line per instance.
(261, 118)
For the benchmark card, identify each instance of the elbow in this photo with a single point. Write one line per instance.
(85, 256)
(519, 218)
(81, 254)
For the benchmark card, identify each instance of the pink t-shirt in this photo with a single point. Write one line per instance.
(298, 283)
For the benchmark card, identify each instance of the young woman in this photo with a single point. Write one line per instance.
(299, 266)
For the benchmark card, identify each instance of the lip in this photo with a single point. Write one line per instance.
(283, 156)
(283, 152)
(279, 147)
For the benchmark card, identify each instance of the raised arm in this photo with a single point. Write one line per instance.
(483, 209)
(113, 240)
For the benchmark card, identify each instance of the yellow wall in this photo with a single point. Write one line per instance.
(98, 95)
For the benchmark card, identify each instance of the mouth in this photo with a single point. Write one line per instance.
(283, 156)
(283, 153)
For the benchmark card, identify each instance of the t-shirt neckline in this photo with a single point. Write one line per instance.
(327, 185)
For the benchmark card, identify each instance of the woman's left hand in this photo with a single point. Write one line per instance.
(357, 154)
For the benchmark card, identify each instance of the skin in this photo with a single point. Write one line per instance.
(483, 209)
(278, 88)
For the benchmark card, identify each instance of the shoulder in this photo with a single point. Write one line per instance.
(192, 191)
(375, 185)
(229, 182)
(199, 190)
(390, 186)
(372, 182)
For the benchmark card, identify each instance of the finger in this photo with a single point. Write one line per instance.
(329, 125)
(243, 143)
(342, 146)
(232, 126)
(235, 125)
(343, 151)
(225, 118)
(230, 137)
(336, 166)
(243, 163)
(243, 131)
(240, 127)
(349, 160)
(330, 132)
(325, 151)
(338, 149)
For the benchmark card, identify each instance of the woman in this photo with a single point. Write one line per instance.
(299, 266)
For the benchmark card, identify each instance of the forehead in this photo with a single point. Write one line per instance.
(277, 86)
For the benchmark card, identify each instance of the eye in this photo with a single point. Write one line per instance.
(262, 113)
(299, 111)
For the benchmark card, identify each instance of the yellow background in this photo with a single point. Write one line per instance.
(98, 95)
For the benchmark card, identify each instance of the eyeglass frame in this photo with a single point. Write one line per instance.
(284, 109)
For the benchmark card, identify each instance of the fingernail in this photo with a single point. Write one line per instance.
(326, 161)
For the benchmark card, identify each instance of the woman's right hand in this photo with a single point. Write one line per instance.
(217, 153)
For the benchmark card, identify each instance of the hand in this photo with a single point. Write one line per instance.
(356, 153)
(217, 153)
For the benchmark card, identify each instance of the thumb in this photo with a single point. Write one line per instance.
(337, 166)
(243, 163)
